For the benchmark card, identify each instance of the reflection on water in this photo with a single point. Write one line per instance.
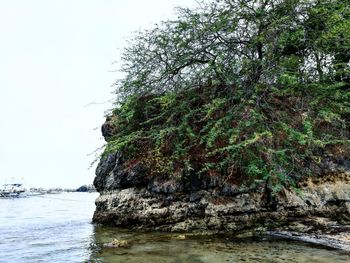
(57, 228)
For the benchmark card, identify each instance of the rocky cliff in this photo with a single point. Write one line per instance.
(131, 197)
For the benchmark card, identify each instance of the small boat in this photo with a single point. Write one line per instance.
(54, 191)
(13, 191)
(34, 193)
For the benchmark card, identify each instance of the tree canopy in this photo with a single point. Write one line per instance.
(257, 89)
(241, 43)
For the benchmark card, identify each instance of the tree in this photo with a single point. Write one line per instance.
(239, 42)
(238, 87)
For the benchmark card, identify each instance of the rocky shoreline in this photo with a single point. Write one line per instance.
(130, 198)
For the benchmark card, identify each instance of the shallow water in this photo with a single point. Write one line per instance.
(57, 228)
(178, 248)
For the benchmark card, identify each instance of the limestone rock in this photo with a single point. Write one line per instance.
(131, 198)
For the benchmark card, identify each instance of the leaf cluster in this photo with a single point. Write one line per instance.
(252, 89)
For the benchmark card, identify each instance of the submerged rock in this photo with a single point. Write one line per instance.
(116, 243)
(337, 241)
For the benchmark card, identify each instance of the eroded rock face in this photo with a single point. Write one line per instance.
(131, 198)
(110, 174)
(108, 129)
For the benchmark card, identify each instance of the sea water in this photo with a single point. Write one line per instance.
(57, 228)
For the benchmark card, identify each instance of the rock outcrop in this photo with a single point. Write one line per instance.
(131, 198)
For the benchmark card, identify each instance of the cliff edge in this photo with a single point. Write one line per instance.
(131, 198)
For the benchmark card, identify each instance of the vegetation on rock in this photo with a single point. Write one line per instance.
(251, 90)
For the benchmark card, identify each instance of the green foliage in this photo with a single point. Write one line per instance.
(240, 88)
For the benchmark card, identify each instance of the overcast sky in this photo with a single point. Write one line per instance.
(55, 58)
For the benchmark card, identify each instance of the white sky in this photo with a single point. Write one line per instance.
(55, 58)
